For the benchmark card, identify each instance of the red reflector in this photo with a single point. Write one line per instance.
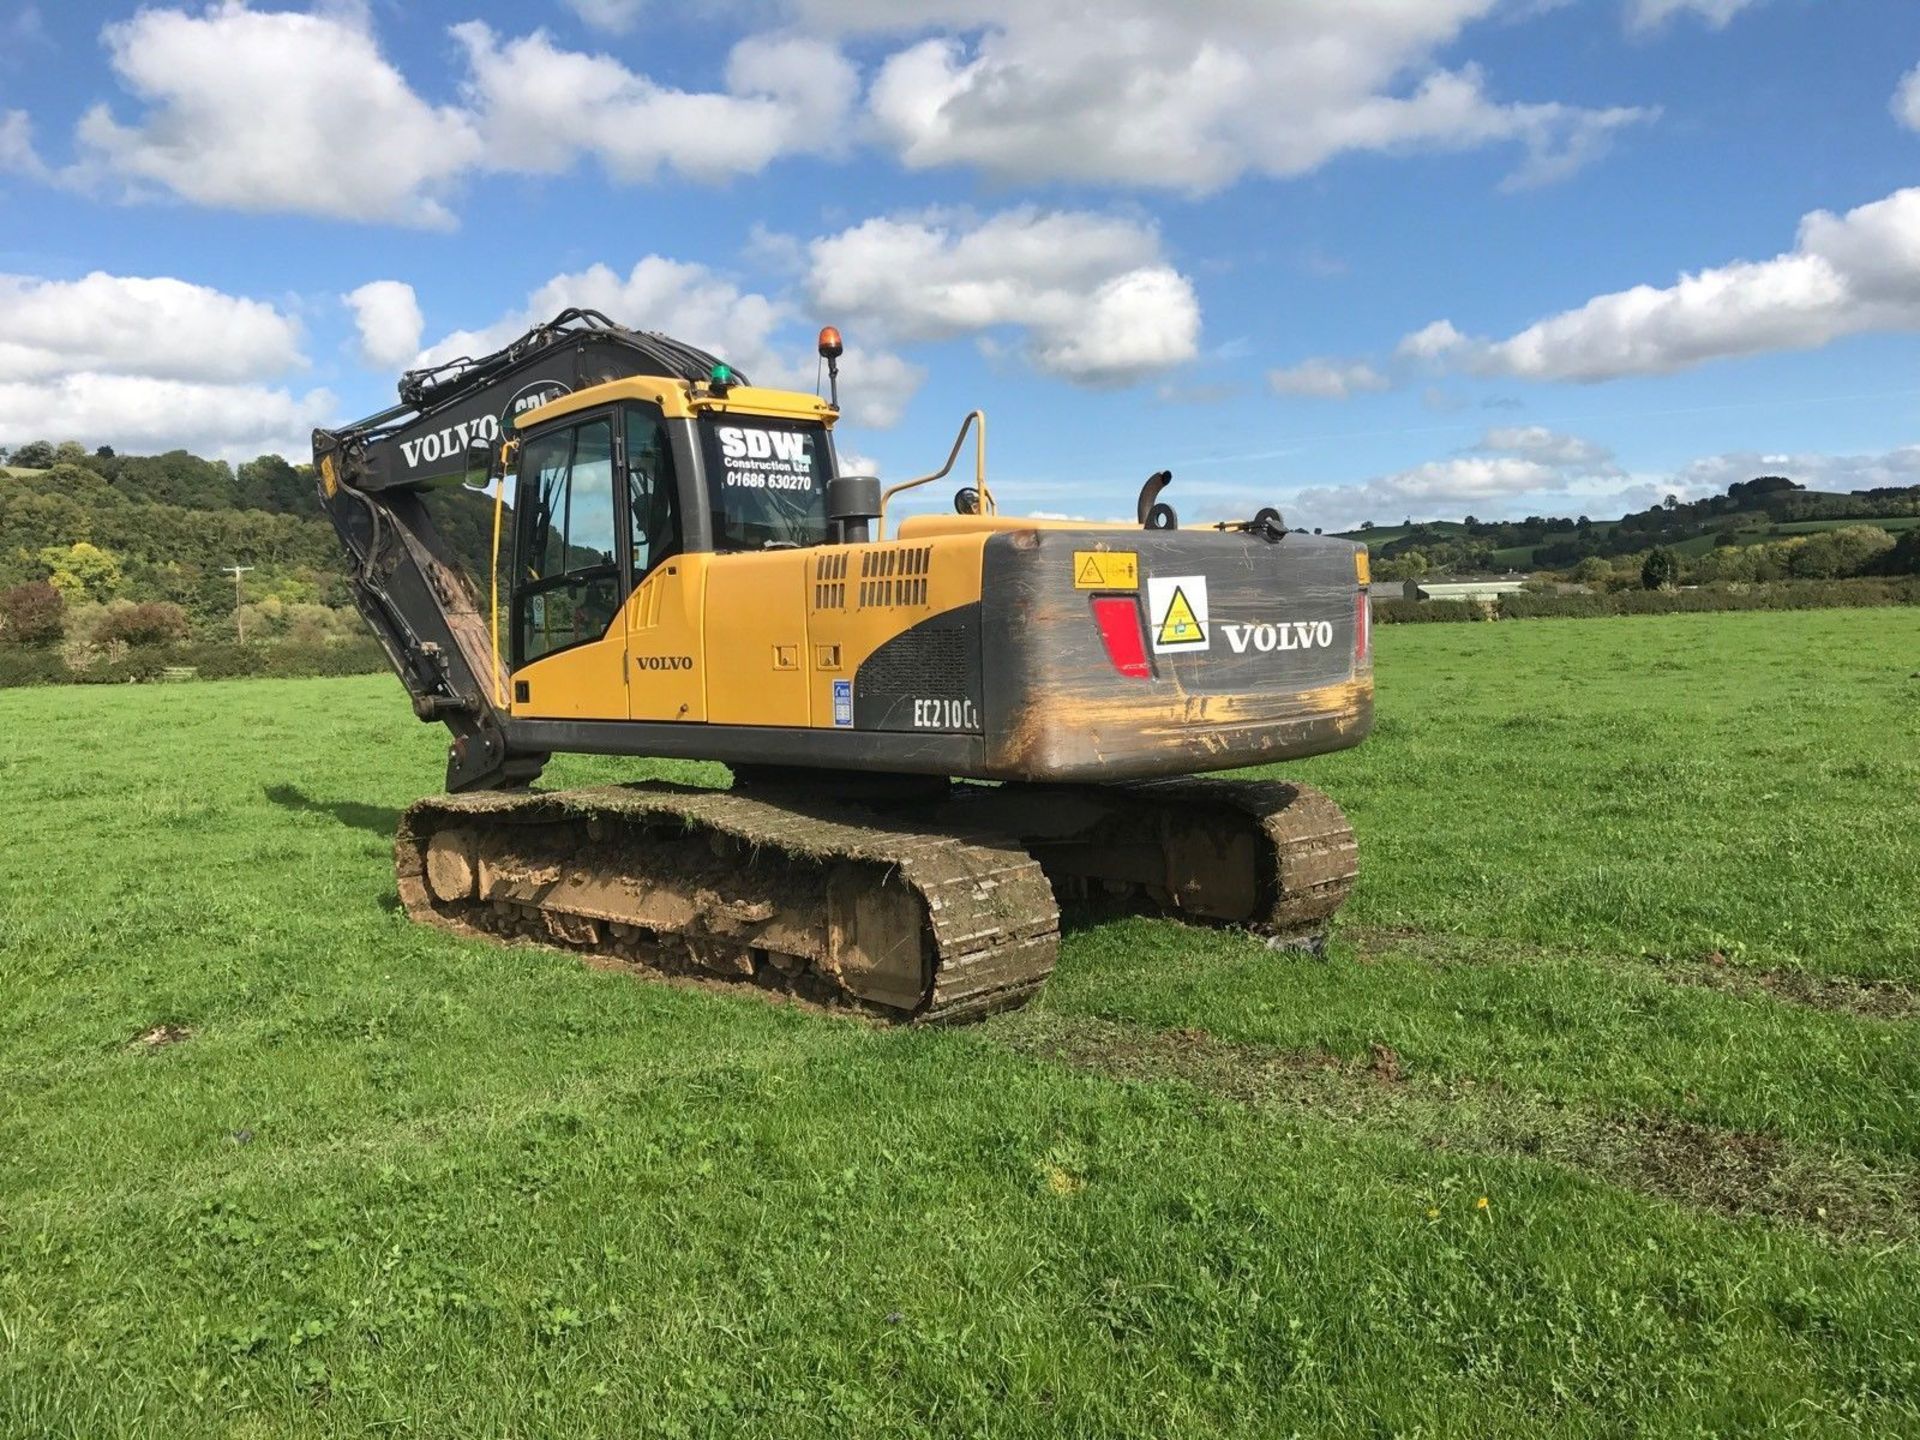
(1118, 617)
(1362, 632)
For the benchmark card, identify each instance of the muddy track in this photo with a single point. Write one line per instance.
(926, 909)
(707, 882)
(1837, 994)
(1727, 1172)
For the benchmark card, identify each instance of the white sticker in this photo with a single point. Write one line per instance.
(945, 715)
(1177, 612)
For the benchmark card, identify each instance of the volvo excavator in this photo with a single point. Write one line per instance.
(938, 728)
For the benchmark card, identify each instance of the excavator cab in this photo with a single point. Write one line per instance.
(643, 508)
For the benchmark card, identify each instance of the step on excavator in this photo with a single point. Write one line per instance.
(936, 733)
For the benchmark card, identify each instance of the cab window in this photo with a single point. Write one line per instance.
(766, 481)
(568, 589)
(653, 503)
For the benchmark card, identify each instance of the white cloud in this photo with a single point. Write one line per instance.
(1549, 447)
(387, 315)
(157, 327)
(1191, 97)
(1327, 379)
(17, 155)
(1430, 341)
(1512, 470)
(1451, 486)
(853, 462)
(1533, 471)
(143, 414)
(303, 113)
(150, 363)
(540, 107)
(1649, 14)
(1813, 469)
(692, 303)
(1847, 274)
(255, 110)
(1906, 100)
(615, 15)
(1095, 300)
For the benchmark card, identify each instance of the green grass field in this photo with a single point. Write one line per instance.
(1601, 1117)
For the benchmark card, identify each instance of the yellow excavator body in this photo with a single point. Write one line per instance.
(680, 569)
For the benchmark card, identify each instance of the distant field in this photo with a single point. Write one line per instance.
(1386, 534)
(1600, 1117)
(1521, 557)
(1895, 523)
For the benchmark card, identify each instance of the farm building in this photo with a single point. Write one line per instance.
(1481, 589)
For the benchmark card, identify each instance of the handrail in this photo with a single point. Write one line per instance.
(979, 470)
(493, 589)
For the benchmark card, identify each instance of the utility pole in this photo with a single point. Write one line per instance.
(239, 620)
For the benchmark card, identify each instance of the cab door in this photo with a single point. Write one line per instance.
(666, 674)
(569, 656)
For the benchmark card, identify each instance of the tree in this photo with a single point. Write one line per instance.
(105, 452)
(1833, 554)
(1904, 557)
(69, 452)
(81, 571)
(1661, 570)
(1757, 490)
(32, 612)
(34, 455)
(153, 623)
(1593, 571)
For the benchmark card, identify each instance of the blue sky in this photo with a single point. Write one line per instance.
(1361, 258)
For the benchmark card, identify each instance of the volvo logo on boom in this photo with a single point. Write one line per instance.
(482, 430)
(1286, 635)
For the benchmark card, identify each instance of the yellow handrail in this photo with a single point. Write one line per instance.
(987, 505)
(493, 588)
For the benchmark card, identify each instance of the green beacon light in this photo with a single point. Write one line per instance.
(722, 375)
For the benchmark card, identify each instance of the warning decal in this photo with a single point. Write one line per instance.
(1177, 612)
(1106, 570)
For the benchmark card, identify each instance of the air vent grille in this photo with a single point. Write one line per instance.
(830, 582)
(895, 576)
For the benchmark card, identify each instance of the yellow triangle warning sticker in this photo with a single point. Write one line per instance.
(1180, 626)
(1089, 576)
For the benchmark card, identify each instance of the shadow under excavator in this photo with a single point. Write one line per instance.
(378, 820)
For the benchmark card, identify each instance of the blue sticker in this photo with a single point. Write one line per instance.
(843, 702)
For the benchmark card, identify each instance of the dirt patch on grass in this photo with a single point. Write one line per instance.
(1730, 1172)
(1840, 994)
(159, 1037)
(1873, 999)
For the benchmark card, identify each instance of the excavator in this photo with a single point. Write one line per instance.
(937, 731)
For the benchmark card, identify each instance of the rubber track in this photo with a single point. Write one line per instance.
(990, 914)
(1316, 859)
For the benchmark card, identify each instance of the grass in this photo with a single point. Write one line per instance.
(1599, 1117)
